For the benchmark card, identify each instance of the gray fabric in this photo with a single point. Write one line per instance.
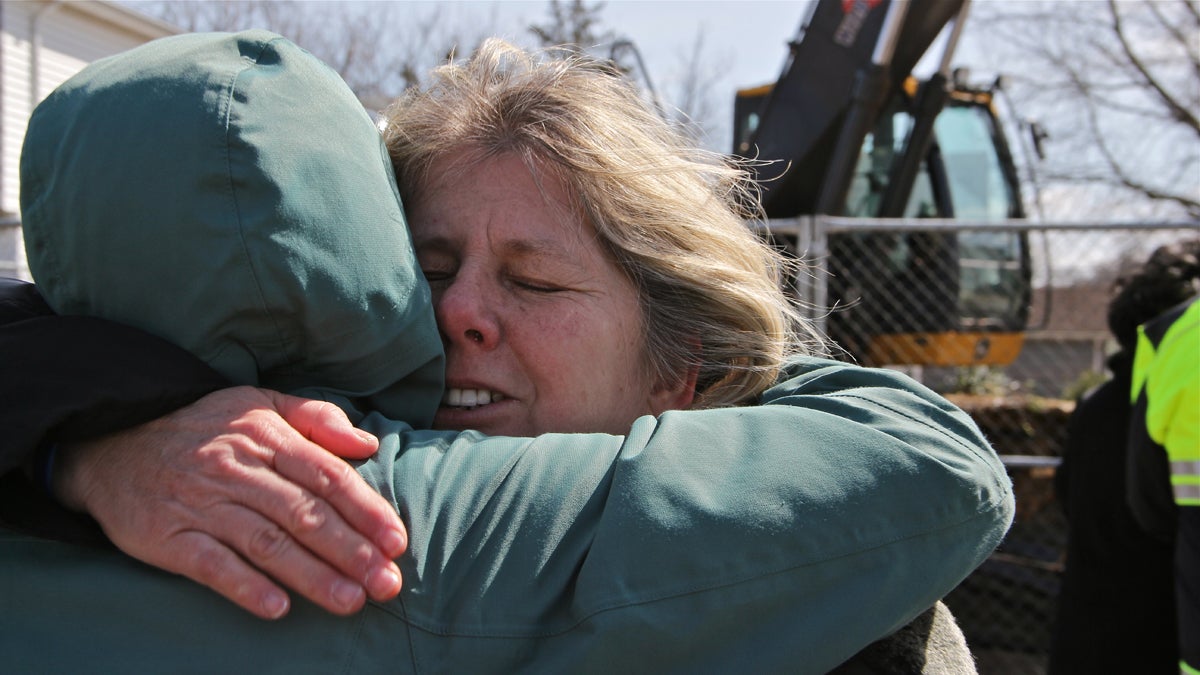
(931, 644)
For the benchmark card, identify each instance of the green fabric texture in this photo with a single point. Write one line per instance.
(777, 538)
(229, 193)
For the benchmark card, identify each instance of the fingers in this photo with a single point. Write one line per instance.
(227, 493)
(304, 540)
(324, 532)
(206, 561)
(325, 424)
(330, 482)
(237, 544)
(335, 482)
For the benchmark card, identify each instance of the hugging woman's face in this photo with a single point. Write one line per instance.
(543, 333)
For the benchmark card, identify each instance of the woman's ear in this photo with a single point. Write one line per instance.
(677, 394)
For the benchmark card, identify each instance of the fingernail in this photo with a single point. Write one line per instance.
(366, 436)
(346, 594)
(394, 542)
(384, 583)
(275, 605)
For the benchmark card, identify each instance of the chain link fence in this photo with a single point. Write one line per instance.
(1034, 296)
(887, 277)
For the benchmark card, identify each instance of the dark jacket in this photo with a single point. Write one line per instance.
(75, 378)
(1116, 608)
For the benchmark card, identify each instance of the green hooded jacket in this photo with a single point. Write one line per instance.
(226, 192)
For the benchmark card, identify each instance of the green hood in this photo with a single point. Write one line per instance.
(229, 193)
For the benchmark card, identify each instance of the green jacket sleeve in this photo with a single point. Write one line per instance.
(782, 537)
(793, 532)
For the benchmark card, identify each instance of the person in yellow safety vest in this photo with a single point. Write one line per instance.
(1166, 396)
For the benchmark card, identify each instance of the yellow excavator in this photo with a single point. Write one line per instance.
(902, 180)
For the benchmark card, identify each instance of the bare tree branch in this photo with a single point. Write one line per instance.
(1117, 169)
(1179, 111)
(377, 53)
(1116, 85)
(1191, 47)
(572, 25)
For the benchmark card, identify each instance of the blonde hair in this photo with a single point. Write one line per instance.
(671, 216)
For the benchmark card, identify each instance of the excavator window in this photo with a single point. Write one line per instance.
(979, 189)
(991, 268)
(966, 280)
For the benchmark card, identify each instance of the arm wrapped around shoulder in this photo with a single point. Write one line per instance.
(785, 536)
(835, 512)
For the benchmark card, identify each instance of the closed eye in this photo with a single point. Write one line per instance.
(433, 276)
(537, 286)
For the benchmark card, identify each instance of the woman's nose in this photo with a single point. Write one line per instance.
(464, 315)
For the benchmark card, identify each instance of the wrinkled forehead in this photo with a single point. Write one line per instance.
(451, 168)
(530, 184)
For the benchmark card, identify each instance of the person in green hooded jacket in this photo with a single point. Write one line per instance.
(717, 506)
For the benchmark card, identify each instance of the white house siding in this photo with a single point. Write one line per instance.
(66, 36)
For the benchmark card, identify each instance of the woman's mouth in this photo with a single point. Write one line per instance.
(467, 399)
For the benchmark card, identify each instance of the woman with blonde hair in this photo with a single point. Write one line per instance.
(633, 467)
(672, 216)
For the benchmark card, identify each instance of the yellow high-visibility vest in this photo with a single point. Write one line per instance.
(1168, 368)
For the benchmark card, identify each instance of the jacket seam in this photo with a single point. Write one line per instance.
(241, 229)
(974, 449)
(422, 626)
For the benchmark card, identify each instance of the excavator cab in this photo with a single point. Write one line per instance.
(929, 297)
(885, 146)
